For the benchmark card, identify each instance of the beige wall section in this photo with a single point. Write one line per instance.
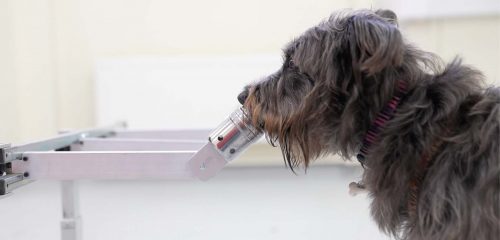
(116, 27)
(29, 71)
(8, 89)
(73, 72)
(48, 47)
(474, 39)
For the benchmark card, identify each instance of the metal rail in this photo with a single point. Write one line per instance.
(9, 154)
(10, 180)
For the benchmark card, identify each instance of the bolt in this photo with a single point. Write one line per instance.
(203, 166)
(232, 150)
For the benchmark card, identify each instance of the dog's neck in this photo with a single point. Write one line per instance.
(387, 113)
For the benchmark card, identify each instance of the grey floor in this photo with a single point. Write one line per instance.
(240, 203)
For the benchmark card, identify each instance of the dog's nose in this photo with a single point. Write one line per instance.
(243, 96)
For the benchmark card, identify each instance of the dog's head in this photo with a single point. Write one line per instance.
(331, 75)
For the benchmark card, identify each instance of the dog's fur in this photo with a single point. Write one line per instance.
(335, 79)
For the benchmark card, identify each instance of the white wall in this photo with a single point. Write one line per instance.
(475, 39)
(178, 92)
(27, 80)
(49, 47)
(431, 9)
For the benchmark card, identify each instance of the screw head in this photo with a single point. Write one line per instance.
(26, 174)
(203, 166)
(25, 159)
(232, 150)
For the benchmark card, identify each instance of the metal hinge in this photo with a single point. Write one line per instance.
(8, 180)
(6, 155)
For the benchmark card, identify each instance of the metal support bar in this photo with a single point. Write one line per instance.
(71, 224)
(106, 165)
(188, 134)
(61, 141)
(123, 144)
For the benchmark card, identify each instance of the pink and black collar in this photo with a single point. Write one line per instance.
(387, 113)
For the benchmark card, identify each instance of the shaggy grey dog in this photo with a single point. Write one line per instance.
(432, 165)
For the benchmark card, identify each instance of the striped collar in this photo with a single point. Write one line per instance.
(387, 113)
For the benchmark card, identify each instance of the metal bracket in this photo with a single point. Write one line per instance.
(10, 182)
(3, 156)
(4, 153)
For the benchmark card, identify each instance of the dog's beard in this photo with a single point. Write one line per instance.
(294, 146)
(284, 130)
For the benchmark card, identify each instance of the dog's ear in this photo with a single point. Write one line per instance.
(375, 43)
(388, 15)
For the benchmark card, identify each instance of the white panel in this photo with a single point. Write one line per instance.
(421, 9)
(178, 92)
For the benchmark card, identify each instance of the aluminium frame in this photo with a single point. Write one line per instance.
(105, 153)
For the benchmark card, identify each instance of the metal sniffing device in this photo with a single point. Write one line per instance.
(115, 153)
(231, 138)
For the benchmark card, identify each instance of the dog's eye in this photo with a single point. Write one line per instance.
(291, 65)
